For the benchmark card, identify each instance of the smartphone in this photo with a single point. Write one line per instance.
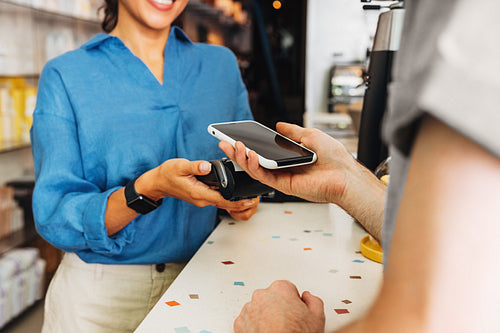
(274, 150)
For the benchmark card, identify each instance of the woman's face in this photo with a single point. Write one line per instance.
(150, 14)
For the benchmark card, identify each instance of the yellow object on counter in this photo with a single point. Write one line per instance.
(371, 249)
(385, 179)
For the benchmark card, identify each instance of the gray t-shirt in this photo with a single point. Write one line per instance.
(447, 66)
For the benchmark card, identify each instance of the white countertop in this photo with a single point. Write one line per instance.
(316, 246)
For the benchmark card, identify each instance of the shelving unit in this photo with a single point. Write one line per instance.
(40, 32)
(205, 23)
(18, 238)
(30, 36)
(10, 146)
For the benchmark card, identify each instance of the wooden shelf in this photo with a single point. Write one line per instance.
(50, 12)
(18, 238)
(7, 146)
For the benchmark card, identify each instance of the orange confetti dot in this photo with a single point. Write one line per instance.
(288, 212)
(307, 249)
(172, 303)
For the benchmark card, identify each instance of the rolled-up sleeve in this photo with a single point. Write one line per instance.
(68, 209)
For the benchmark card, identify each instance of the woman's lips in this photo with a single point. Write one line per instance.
(162, 4)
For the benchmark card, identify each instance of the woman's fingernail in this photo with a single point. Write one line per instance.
(205, 167)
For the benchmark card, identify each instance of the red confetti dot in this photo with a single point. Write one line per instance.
(229, 262)
(172, 303)
(341, 311)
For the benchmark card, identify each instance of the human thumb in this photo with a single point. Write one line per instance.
(204, 167)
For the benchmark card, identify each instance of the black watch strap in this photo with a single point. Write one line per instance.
(138, 202)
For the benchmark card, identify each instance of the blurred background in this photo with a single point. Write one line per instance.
(302, 61)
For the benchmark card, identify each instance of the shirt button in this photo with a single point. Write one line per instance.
(160, 268)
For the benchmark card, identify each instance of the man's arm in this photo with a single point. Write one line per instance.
(442, 273)
(336, 176)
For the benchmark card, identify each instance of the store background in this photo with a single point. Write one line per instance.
(285, 56)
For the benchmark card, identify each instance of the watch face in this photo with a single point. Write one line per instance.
(141, 206)
(140, 203)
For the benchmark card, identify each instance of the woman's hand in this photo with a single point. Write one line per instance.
(177, 178)
(246, 210)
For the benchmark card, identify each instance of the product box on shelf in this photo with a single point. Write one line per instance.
(17, 103)
(11, 216)
(21, 281)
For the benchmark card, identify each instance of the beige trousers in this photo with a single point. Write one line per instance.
(95, 298)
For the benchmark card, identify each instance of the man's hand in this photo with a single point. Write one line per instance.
(280, 308)
(335, 177)
(324, 181)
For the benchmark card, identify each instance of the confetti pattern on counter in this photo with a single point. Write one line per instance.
(172, 303)
(235, 292)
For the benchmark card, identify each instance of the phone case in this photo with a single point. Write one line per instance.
(264, 162)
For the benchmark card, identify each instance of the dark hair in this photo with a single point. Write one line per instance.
(110, 15)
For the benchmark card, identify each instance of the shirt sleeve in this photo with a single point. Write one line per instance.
(446, 68)
(68, 209)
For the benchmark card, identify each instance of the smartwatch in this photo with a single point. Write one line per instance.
(139, 202)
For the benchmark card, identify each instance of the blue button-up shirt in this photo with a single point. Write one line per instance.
(102, 118)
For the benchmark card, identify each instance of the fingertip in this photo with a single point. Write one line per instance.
(223, 144)
(239, 145)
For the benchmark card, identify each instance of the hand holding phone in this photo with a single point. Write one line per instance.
(273, 149)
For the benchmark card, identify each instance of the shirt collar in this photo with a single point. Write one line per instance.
(99, 38)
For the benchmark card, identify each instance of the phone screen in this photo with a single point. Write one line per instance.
(266, 142)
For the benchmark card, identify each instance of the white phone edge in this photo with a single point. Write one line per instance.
(264, 162)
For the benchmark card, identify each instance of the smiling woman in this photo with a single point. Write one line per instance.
(120, 196)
